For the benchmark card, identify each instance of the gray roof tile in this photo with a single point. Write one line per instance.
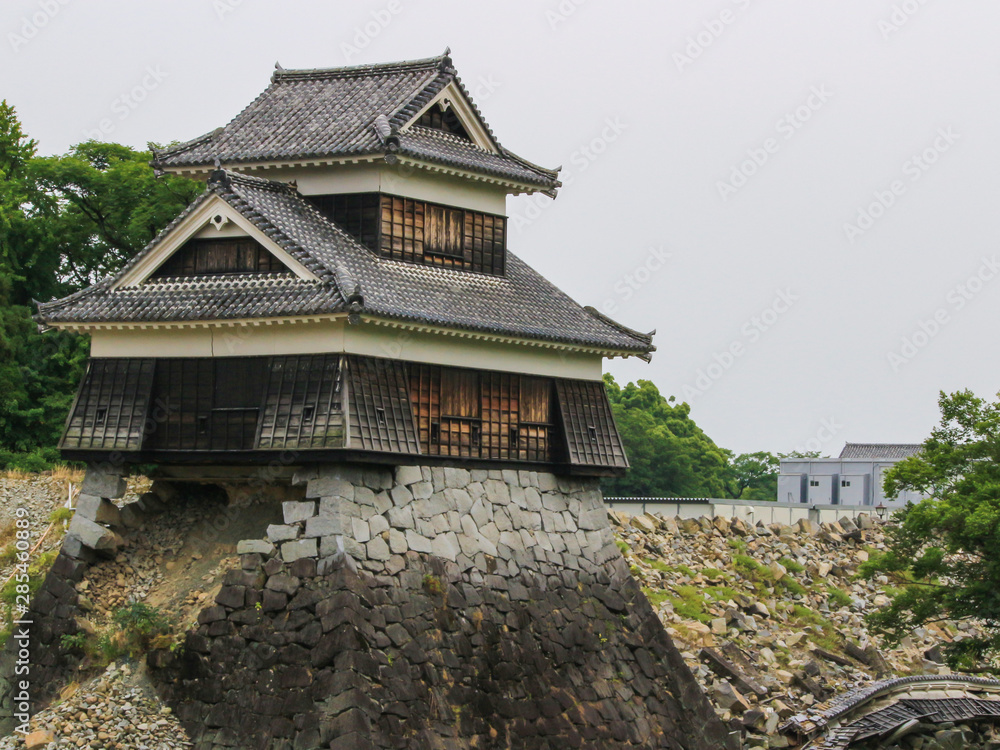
(877, 451)
(521, 303)
(310, 114)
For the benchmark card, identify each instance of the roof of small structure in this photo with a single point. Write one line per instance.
(520, 304)
(352, 112)
(880, 451)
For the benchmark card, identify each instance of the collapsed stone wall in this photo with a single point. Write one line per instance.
(435, 608)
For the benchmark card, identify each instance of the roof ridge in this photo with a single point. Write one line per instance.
(645, 337)
(442, 62)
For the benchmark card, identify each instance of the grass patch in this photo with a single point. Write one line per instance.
(824, 632)
(791, 585)
(690, 602)
(713, 574)
(837, 597)
(792, 566)
(622, 546)
(664, 568)
(61, 515)
(737, 544)
(747, 565)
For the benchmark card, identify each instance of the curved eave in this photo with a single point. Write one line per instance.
(378, 320)
(203, 169)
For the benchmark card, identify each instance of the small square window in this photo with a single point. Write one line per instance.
(380, 417)
(101, 417)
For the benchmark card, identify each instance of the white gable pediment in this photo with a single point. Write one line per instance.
(452, 98)
(213, 219)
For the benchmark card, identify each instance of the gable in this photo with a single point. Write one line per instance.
(212, 256)
(451, 109)
(213, 239)
(440, 118)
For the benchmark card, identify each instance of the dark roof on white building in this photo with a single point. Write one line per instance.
(519, 304)
(880, 451)
(351, 112)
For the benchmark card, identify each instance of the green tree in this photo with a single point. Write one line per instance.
(754, 476)
(65, 222)
(942, 552)
(670, 455)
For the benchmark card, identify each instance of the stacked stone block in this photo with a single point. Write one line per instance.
(435, 608)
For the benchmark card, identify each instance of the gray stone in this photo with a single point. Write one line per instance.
(479, 475)
(440, 523)
(497, 492)
(75, 548)
(401, 518)
(295, 511)
(422, 490)
(93, 535)
(323, 526)
(292, 551)
(481, 513)
(382, 502)
(527, 478)
(416, 542)
(99, 510)
(364, 496)
(456, 478)
(332, 506)
(283, 583)
(457, 499)
(330, 486)
(132, 516)
(446, 546)
(408, 475)
(277, 533)
(437, 478)
(378, 549)
(491, 532)
(378, 479)
(254, 546)
(103, 483)
(547, 482)
(552, 502)
(378, 524)
(397, 542)
(436, 505)
(400, 496)
(361, 531)
(519, 497)
(331, 545)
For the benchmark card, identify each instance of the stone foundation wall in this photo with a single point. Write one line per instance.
(511, 519)
(435, 608)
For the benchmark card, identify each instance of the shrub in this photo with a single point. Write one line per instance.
(792, 566)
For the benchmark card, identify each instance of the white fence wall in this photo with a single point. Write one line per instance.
(785, 513)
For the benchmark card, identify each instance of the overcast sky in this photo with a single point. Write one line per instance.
(800, 197)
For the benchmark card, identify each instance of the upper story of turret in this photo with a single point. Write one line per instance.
(396, 154)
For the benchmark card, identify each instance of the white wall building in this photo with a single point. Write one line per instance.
(854, 478)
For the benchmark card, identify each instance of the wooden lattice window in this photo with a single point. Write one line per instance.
(591, 435)
(211, 257)
(355, 213)
(112, 406)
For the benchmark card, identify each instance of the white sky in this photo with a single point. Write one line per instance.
(871, 93)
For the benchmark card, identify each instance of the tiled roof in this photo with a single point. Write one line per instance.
(880, 451)
(520, 304)
(313, 114)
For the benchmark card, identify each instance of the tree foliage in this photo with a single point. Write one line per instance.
(65, 222)
(670, 455)
(942, 552)
(753, 476)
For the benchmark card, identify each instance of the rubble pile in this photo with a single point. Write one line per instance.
(116, 710)
(770, 618)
